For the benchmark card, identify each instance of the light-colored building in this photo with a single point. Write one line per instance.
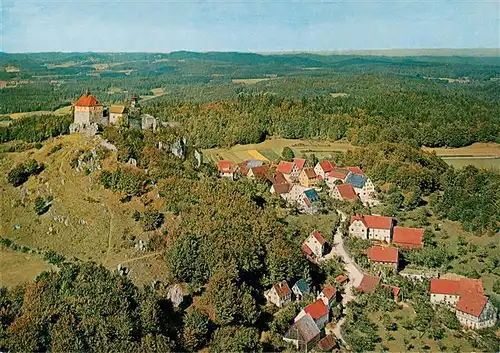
(419, 274)
(118, 115)
(362, 185)
(289, 170)
(328, 295)
(226, 169)
(318, 311)
(88, 110)
(466, 297)
(280, 294)
(300, 289)
(315, 244)
(323, 169)
(308, 177)
(371, 227)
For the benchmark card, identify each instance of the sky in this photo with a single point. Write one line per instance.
(245, 25)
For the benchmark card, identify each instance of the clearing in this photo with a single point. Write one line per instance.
(249, 81)
(271, 149)
(490, 149)
(17, 267)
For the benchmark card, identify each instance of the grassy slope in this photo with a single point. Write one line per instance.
(109, 226)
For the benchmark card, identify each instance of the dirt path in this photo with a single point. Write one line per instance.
(110, 235)
(115, 263)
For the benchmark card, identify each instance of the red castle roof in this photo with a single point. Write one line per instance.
(87, 100)
(379, 254)
(408, 237)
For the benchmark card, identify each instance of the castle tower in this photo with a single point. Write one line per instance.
(87, 110)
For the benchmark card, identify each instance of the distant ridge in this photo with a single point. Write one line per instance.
(398, 52)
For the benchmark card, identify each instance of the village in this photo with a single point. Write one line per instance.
(299, 185)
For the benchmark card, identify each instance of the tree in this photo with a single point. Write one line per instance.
(41, 205)
(21, 172)
(152, 220)
(287, 154)
(236, 339)
(196, 328)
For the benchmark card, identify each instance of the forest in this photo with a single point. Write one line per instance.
(226, 241)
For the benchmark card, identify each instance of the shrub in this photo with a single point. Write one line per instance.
(152, 220)
(21, 172)
(41, 205)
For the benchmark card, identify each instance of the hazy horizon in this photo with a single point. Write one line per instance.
(250, 26)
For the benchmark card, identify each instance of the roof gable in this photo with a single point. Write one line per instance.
(329, 291)
(281, 188)
(302, 286)
(378, 222)
(338, 173)
(311, 195)
(317, 235)
(444, 286)
(282, 289)
(299, 162)
(355, 170)
(226, 166)
(309, 173)
(261, 172)
(306, 328)
(472, 304)
(117, 109)
(326, 166)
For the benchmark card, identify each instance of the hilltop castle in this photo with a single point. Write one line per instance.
(89, 113)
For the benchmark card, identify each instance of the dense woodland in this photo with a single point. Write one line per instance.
(230, 241)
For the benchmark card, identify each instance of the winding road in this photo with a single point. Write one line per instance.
(354, 272)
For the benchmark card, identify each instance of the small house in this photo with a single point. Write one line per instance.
(338, 174)
(323, 169)
(308, 177)
(279, 294)
(289, 170)
(318, 311)
(362, 185)
(315, 243)
(368, 284)
(410, 238)
(300, 289)
(226, 169)
(261, 173)
(383, 255)
(304, 333)
(371, 227)
(328, 295)
(118, 114)
(344, 192)
(280, 189)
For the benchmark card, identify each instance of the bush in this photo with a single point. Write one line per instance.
(152, 220)
(21, 172)
(53, 257)
(54, 149)
(41, 205)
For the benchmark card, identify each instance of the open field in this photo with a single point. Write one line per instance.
(271, 149)
(479, 162)
(87, 221)
(17, 267)
(249, 81)
(474, 150)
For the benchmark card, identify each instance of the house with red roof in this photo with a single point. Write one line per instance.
(328, 295)
(368, 284)
(466, 296)
(338, 174)
(314, 245)
(308, 177)
(289, 170)
(355, 170)
(280, 189)
(279, 294)
(318, 311)
(261, 173)
(344, 192)
(384, 255)
(324, 168)
(410, 238)
(226, 169)
(88, 110)
(300, 163)
(371, 227)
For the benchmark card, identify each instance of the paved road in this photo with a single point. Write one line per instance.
(354, 272)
